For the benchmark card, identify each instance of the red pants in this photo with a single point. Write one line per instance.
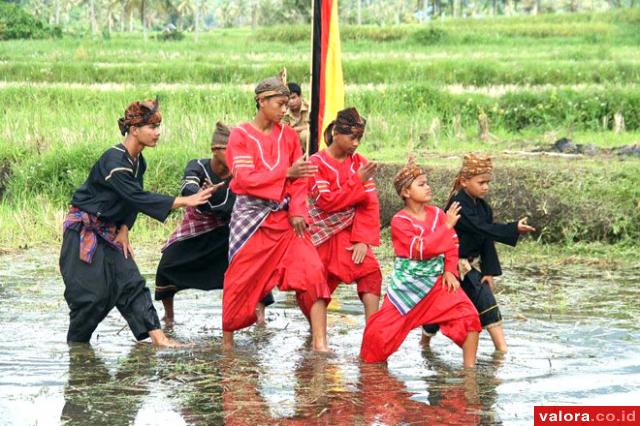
(387, 328)
(274, 255)
(341, 269)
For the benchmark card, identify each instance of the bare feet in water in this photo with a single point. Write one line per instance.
(321, 348)
(425, 340)
(227, 340)
(158, 338)
(261, 321)
(167, 303)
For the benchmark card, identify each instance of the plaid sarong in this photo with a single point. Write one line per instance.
(194, 223)
(324, 225)
(411, 280)
(248, 214)
(92, 228)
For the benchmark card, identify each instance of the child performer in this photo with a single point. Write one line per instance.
(269, 245)
(344, 210)
(424, 287)
(195, 256)
(96, 259)
(479, 261)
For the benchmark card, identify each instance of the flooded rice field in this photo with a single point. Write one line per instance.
(574, 336)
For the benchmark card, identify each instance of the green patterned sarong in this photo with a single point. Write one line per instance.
(411, 280)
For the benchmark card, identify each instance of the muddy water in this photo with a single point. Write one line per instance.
(574, 336)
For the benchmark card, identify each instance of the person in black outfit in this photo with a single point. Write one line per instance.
(478, 233)
(96, 259)
(196, 254)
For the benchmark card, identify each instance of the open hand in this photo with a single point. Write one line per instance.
(453, 215)
(523, 227)
(122, 238)
(359, 252)
(367, 171)
(298, 224)
(450, 281)
(194, 200)
(302, 168)
(489, 280)
(208, 184)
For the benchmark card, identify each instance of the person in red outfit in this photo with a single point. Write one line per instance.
(268, 242)
(424, 285)
(345, 212)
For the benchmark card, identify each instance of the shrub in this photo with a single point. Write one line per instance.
(15, 23)
(570, 204)
(374, 33)
(170, 36)
(427, 36)
(288, 34)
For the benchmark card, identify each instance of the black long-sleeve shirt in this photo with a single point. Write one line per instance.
(221, 202)
(114, 190)
(477, 232)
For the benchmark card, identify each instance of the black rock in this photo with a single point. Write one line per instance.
(588, 149)
(565, 145)
(628, 150)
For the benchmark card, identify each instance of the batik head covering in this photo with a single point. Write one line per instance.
(274, 86)
(407, 174)
(347, 122)
(220, 135)
(139, 114)
(472, 165)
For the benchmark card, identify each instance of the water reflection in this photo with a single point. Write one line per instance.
(94, 396)
(324, 396)
(561, 326)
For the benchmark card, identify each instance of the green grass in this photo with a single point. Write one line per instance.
(536, 78)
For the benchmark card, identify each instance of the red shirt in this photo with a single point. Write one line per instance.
(420, 240)
(259, 163)
(337, 187)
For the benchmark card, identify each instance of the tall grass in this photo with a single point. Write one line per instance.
(477, 72)
(39, 117)
(568, 201)
(566, 75)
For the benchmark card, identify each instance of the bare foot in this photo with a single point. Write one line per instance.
(497, 335)
(159, 339)
(321, 348)
(261, 321)
(170, 343)
(425, 340)
(227, 340)
(167, 303)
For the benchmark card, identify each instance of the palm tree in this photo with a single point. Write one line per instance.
(184, 8)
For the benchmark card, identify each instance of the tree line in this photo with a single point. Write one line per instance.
(106, 16)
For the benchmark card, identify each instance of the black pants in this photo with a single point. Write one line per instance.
(482, 298)
(93, 289)
(198, 262)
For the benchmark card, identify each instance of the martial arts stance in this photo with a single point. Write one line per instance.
(269, 245)
(96, 260)
(424, 288)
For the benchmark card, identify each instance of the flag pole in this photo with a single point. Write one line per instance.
(316, 59)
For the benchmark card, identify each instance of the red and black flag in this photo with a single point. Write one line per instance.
(327, 84)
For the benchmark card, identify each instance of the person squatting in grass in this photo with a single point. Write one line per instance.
(424, 286)
(96, 259)
(195, 256)
(478, 233)
(269, 244)
(345, 211)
